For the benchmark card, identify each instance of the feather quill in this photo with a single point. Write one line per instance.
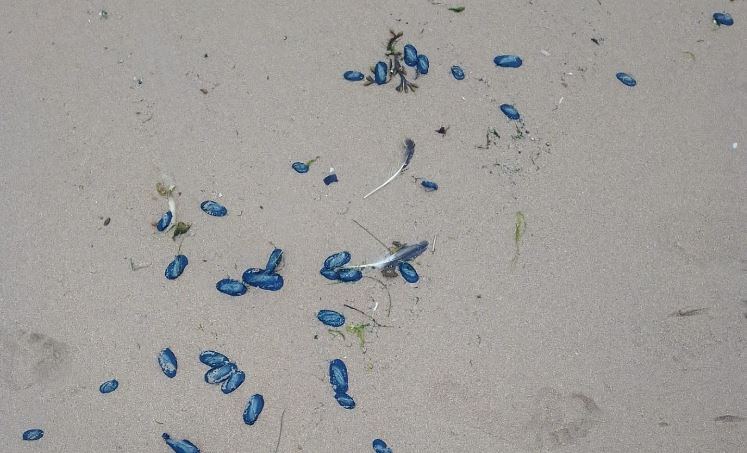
(406, 253)
(409, 152)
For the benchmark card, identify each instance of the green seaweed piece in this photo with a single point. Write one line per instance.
(358, 329)
(181, 228)
(521, 226)
(309, 162)
(457, 9)
(336, 333)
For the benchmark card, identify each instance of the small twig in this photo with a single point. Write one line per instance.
(376, 323)
(388, 294)
(371, 234)
(280, 434)
(690, 312)
(433, 246)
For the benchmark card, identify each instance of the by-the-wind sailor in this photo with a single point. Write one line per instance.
(457, 72)
(626, 79)
(353, 76)
(233, 382)
(176, 267)
(381, 70)
(408, 272)
(345, 400)
(214, 209)
(510, 111)
(253, 408)
(220, 374)
(330, 178)
(300, 167)
(337, 260)
(330, 318)
(329, 274)
(423, 64)
(32, 434)
(380, 446)
(180, 446)
(508, 61)
(260, 278)
(213, 359)
(231, 287)
(165, 221)
(411, 55)
(349, 275)
(338, 376)
(274, 260)
(429, 186)
(167, 362)
(723, 19)
(109, 386)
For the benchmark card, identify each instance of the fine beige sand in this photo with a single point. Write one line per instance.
(619, 326)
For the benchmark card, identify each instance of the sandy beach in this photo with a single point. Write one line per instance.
(614, 321)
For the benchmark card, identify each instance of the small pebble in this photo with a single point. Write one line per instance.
(300, 167)
(330, 318)
(231, 287)
(626, 79)
(176, 267)
(233, 382)
(109, 386)
(423, 64)
(165, 221)
(429, 186)
(180, 446)
(408, 272)
(32, 434)
(380, 446)
(723, 19)
(457, 72)
(508, 61)
(253, 408)
(213, 208)
(353, 76)
(167, 362)
(510, 111)
(213, 359)
(411, 55)
(381, 71)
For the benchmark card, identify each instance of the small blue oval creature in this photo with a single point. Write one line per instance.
(109, 386)
(213, 359)
(626, 79)
(349, 275)
(508, 61)
(408, 272)
(380, 446)
(180, 446)
(330, 318)
(167, 362)
(220, 374)
(213, 208)
(381, 71)
(300, 167)
(329, 274)
(353, 76)
(231, 287)
(337, 260)
(457, 72)
(330, 178)
(723, 19)
(429, 186)
(423, 64)
(274, 260)
(338, 376)
(165, 221)
(345, 400)
(233, 382)
(253, 408)
(176, 267)
(411, 55)
(260, 278)
(510, 111)
(32, 434)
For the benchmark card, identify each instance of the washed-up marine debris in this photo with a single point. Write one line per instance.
(176, 267)
(383, 73)
(231, 287)
(167, 362)
(380, 446)
(222, 371)
(32, 434)
(406, 158)
(338, 377)
(331, 177)
(213, 208)
(303, 167)
(399, 257)
(428, 186)
(267, 278)
(353, 76)
(109, 386)
(626, 79)
(510, 112)
(723, 19)
(508, 61)
(330, 318)
(332, 269)
(180, 446)
(253, 408)
(457, 72)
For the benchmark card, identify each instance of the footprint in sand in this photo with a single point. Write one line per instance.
(30, 358)
(558, 419)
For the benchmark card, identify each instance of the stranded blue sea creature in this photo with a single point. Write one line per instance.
(274, 260)
(32, 434)
(176, 267)
(165, 221)
(457, 72)
(213, 208)
(508, 61)
(167, 362)
(220, 374)
(338, 376)
(300, 167)
(345, 400)
(353, 76)
(260, 278)
(349, 275)
(410, 55)
(233, 382)
(626, 79)
(331, 177)
(329, 274)
(408, 272)
(109, 386)
(723, 19)
(429, 186)
(231, 287)
(381, 73)
(423, 64)
(180, 446)
(337, 260)
(253, 408)
(330, 318)
(213, 359)
(380, 446)
(510, 111)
